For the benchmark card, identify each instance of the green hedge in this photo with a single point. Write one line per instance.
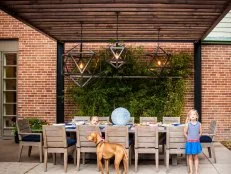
(142, 97)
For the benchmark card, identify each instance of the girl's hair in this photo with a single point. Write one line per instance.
(189, 112)
(93, 117)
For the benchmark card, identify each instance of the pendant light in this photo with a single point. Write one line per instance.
(76, 63)
(159, 59)
(117, 49)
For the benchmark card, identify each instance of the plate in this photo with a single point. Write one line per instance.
(59, 124)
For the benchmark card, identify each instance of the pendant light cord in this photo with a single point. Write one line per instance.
(158, 37)
(81, 37)
(117, 28)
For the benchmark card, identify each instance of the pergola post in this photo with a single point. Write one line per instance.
(60, 84)
(197, 79)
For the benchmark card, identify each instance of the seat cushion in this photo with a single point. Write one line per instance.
(205, 139)
(31, 138)
(70, 142)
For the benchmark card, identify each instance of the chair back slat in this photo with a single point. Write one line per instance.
(82, 132)
(170, 120)
(148, 119)
(81, 118)
(132, 120)
(213, 127)
(54, 136)
(146, 136)
(177, 140)
(175, 137)
(117, 134)
(118, 140)
(103, 119)
(177, 145)
(23, 126)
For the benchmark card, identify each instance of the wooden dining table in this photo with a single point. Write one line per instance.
(131, 130)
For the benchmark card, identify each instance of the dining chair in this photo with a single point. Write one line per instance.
(148, 119)
(146, 141)
(55, 141)
(167, 120)
(119, 135)
(170, 120)
(83, 144)
(175, 143)
(27, 138)
(207, 139)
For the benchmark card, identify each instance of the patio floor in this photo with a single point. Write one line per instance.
(8, 164)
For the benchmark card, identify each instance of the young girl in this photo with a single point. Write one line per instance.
(192, 133)
(94, 120)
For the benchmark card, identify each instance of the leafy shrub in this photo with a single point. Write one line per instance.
(141, 96)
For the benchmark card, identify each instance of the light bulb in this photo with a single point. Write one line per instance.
(117, 56)
(81, 65)
(158, 62)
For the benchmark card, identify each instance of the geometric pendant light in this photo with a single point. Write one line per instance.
(76, 64)
(117, 61)
(159, 59)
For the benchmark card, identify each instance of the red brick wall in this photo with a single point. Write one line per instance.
(36, 85)
(216, 88)
(70, 108)
(37, 76)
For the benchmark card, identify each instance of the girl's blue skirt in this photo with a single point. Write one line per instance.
(192, 148)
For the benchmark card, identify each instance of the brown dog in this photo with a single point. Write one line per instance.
(105, 150)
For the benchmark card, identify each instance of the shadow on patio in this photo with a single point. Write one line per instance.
(9, 152)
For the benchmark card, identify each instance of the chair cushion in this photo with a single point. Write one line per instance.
(205, 139)
(70, 142)
(31, 138)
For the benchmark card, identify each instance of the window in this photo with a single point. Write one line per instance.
(9, 91)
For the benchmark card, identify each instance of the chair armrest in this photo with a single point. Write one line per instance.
(207, 134)
(30, 134)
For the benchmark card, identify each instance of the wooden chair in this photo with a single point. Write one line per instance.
(175, 143)
(207, 139)
(167, 120)
(81, 118)
(27, 138)
(119, 135)
(146, 141)
(55, 141)
(148, 119)
(170, 120)
(83, 145)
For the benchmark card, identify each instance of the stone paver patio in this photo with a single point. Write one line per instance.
(31, 165)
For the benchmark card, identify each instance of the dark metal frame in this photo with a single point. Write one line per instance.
(197, 79)
(60, 84)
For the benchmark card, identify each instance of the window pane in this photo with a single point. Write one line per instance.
(9, 72)
(10, 84)
(10, 109)
(10, 97)
(10, 59)
(9, 121)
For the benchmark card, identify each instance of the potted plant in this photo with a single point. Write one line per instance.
(36, 124)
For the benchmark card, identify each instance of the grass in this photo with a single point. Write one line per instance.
(227, 144)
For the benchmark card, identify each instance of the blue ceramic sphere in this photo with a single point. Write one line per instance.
(120, 116)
